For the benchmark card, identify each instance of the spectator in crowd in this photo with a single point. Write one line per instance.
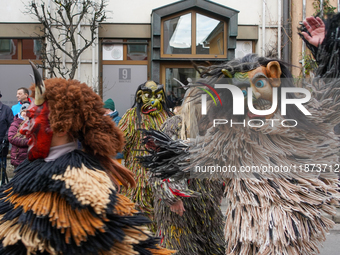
(6, 118)
(171, 99)
(22, 96)
(111, 111)
(18, 141)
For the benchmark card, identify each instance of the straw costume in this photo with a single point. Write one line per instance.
(199, 229)
(269, 212)
(63, 200)
(149, 111)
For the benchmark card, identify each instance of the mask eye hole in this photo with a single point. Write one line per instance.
(146, 95)
(260, 84)
(159, 95)
(244, 91)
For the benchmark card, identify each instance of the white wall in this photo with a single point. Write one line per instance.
(250, 13)
(137, 11)
(13, 11)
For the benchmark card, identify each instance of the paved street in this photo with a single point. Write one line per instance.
(332, 244)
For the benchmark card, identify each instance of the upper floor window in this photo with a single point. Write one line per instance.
(193, 35)
(129, 50)
(20, 49)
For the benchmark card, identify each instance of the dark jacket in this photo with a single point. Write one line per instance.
(18, 141)
(6, 118)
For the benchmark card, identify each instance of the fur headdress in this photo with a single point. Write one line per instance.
(76, 108)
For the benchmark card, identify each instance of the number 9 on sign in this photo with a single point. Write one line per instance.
(124, 73)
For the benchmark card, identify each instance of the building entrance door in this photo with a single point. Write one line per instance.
(171, 74)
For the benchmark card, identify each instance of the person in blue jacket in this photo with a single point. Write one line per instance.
(22, 96)
(111, 111)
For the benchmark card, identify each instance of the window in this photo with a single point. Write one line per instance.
(243, 48)
(124, 51)
(193, 35)
(137, 51)
(177, 35)
(20, 49)
(173, 87)
(8, 49)
(31, 49)
(209, 35)
(172, 75)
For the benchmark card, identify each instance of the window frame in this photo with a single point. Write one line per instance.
(169, 64)
(193, 37)
(20, 60)
(125, 44)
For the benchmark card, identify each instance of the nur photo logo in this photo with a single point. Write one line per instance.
(244, 99)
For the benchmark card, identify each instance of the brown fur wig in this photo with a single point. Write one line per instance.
(76, 108)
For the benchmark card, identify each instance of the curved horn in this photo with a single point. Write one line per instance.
(39, 86)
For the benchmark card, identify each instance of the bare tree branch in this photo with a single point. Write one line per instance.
(61, 31)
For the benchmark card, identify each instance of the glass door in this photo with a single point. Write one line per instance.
(174, 77)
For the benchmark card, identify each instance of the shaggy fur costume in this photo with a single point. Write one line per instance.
(75, 107)
(70, 205)
(279, 212)
(201, 200)
(131, 122)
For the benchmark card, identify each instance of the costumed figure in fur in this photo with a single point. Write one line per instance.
(149, 111)
(63, 200)
(283, 178)
(187, 211)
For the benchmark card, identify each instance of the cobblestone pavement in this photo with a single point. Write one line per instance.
(331, 246)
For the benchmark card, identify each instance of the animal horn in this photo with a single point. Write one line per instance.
(39, 86)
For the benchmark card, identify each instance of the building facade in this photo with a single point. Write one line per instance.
(157, 40)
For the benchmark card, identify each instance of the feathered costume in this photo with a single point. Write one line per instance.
(150, 112)
(69, 204)
(269, 212)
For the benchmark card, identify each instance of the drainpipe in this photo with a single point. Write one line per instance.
(79, 38)
(303, 43)
(94, 61)
(321, 8)
(286, 26)
(279, 30)
(263, 28)
(64, 46)
(48, 44)
(338, 5)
